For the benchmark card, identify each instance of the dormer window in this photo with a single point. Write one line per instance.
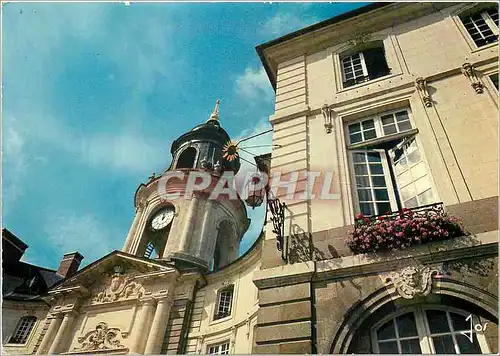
(224, 303)
(364, 65)
(482, 25)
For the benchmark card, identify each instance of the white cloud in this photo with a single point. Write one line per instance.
(283, 23)
(254, 84)
(126, 152)
(68, 232)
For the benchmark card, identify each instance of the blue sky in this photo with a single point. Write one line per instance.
(95, 93)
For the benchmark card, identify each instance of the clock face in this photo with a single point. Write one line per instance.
(162, 218)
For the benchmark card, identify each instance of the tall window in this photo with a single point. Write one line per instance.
(365, 65)
(388, 170)
(224, 303)
(219, 349)
(482, 25)
(23, 330)
(423, 330)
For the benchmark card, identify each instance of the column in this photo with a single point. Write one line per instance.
(159, 326)
(132, 232)
(62, 333)
(141, 326)
(206, 243)
(49, 335)
(190, 224)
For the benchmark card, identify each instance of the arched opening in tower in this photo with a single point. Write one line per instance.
(186, 158)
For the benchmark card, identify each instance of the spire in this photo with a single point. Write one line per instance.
(215, 114)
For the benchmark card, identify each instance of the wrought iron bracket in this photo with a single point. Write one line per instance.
(277, 209)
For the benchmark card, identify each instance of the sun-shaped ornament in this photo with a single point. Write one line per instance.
(230, 151)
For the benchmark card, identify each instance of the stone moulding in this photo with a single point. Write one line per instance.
(421, 85)
(413, 281)
(102, 338)
(470, 73)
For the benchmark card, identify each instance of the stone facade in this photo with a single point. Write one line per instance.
(316, 296)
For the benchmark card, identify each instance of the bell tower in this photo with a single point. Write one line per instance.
(189, 228)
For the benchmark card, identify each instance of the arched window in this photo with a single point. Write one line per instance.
(224, 303)
(23, 330)
(186, 158)
(429, 330)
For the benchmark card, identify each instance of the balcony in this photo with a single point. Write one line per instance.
(402, 229)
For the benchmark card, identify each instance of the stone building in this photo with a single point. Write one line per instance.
(400, 102)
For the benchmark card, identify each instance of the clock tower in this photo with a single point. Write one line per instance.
(188, 227)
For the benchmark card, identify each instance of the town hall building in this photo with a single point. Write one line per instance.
(400, 102)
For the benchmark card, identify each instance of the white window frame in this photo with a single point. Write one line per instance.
(218, 300)
(423, 330)
(387, 176)
(27, 336)
(486, 17)
(219, 348)
(379, 130)
(363, 66)
(382, 137)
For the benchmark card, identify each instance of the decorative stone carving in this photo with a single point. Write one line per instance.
(101, 338)
(328, 116)
(421, 85)
(120, 287)
(469, 71)
(413, 281)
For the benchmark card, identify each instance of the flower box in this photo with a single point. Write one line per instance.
(402, 229)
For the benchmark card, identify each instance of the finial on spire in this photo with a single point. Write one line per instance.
(215, 114)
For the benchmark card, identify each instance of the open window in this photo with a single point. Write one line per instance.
(23, 330)
(388, 169)
(186, 158)
(363, 64)
(224, 302)
(482, 24)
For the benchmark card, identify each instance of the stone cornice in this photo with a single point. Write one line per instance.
(317, 39)
(473, 246)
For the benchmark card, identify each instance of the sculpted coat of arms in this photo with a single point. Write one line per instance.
(120, 287)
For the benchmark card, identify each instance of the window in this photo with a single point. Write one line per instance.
(187, 158)
(224, 303)
(494, 79)
(365, 65)
(150, 248)
(482, 26)
(428, 330)
(388, 170)
(219, 349)
(23, 330)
